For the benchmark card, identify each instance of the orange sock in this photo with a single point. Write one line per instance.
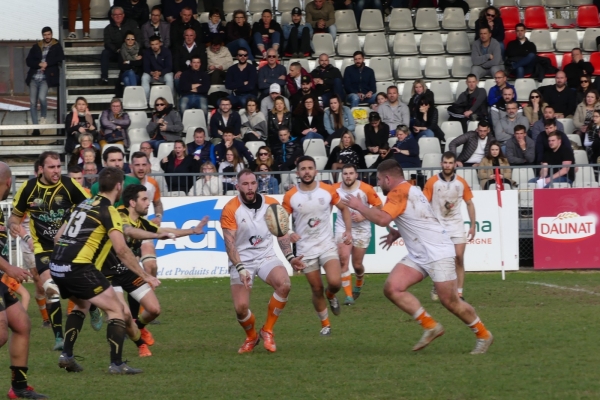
(70, 307)
(276, 305)
(42, 307)
(141, 309)
(424, 319)
(324, 316)
(360, 280)
(248, 325)
(347, 283)
(480, 331)
(329, 294)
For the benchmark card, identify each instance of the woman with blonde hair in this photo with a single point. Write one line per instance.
(279, 118)
(347, 152)
(419, 91)
(207, 184)
(585, 111)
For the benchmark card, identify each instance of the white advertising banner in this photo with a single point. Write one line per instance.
(205, 256)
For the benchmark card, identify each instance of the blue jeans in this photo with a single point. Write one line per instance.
(240, 44)
(193, 101)
(129, 78)
(353, 99)
(524, 66)
(239, 101)
(311, 135)
(38, 91)
(557, 180)
(360, 5)
(156, 144)
(275, 40)
(425, 133)
(167, 79)
(338, 88)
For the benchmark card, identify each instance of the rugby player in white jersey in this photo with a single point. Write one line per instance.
(446, 191)
(361, 231)
(310, 203)
(249, 245)
(430, 252)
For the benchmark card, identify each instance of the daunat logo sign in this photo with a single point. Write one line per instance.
(567, 226)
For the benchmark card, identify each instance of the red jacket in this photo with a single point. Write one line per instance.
(291, 83)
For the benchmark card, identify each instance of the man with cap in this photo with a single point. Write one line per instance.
(297, 36)
(271, 73)
(267, 103)
(306, 89)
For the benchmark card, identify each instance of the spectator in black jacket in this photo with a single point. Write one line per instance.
(347, 152)
(470, 104)
(225, 117)
(520, 54)
(182, 56)
(136, 10)
(239, 34)
(287, 151)
(172, 9)
(43, 61)
(130, 61)
(158, 66)
(156, 26)
(328, 80)
(577, 68)
(490, 17)
(561, 98)
(114, 36)
(194, 85)
(214, 27)
(426, 121)
(178, 27)
(229, 141)
(277, 119)
(541, 142)
(419, 91)
(376, 133)
(406, 149)
(241, 79)
(267, 33)
(308, 120)
(179, 162)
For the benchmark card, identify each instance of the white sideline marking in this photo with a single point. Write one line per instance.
(564, 288)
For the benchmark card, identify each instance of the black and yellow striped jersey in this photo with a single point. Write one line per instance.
(47, 205)
(4, 249)
(85, 238)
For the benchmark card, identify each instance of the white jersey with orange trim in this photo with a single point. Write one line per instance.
(367, 195)
(311, 212)
(446, 198)
(424, 236)
(252, 239)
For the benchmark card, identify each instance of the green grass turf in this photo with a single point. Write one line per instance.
(546, 347)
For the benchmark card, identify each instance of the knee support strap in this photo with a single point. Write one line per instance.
(54, 297)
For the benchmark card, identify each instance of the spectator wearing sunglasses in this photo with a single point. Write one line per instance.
(241, 79)
(490, 18)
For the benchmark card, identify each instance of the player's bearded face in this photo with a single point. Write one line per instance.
(349, 177)
(383, 183)
(248, 190)
(307, 175)
(448, 167)
(141, 208)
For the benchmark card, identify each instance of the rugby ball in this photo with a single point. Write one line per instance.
(277, 220)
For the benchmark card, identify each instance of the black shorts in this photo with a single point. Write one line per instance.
(42, 261)
(129, 283)
(7, 297)
(82, 281)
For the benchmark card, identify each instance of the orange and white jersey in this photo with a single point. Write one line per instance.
(253, 239)
(446, 198)
(152, 188)
(367, 195)
(424, 236)
(311, 213)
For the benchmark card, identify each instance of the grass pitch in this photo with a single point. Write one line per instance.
(546, 347)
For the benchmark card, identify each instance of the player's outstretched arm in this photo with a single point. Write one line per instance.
(141, 234)
(128, 259)
(375, 215)
(197, 230)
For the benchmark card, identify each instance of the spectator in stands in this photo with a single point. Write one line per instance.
(194, 85)
(287, 150)
(214, 28)
(495, 93)
(534, 110)
(337, 119)
(267, 33)
(347, 152)
(384, 154)
(406, 148)
(321, 15)
(293, 79)
(114, 157)
(584, 112)
(498, 110)
(577, 68)
(146, 147)
(180, 25)
(239, 34)
(208, 184)
(426, 121)
(231, 164)
(114, 37)
(43, 61)
(178, 162)
(328, 80)
(278, 118)
(308, 120)
(265, 156)
(90, 170)
(254, 123)
(557, 153)
(165, 124)
(266, 105)
(359, 82)
(219, 60)
(376, 133)
(494, 158)
(158, 67)
(360, 5)
(156, 27)
(85, 17)
(538, 126)
(230, 142)
(591, 140)
(475, 145)
(297, 36)
(267, 184)
(490, 18)
(114, 124)
(86, 143)
(272, 72)
(182, 56)
(241, 79)
(520, 54)
(541, 142)
(200, 149)
(520, 149)
(470, 104)
(136, 10)
(174, 8)
(504, 128)
(76, 173)
(486, 55)
(394, 112)
(419, 91)
(380, 99)
(585, 84)
(77, 122)
(131, 61)
(560, 97)
(306, 89)
(225, 117)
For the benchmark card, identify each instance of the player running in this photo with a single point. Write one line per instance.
(361, 231)
(249, 246)
(430, 252)
(446, 191)
(82, 245)
(310, 204)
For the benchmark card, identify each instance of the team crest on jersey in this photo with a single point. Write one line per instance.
(36, 203)
(45, 260)
(322, 201)
(255, 240)
(58, 199)
(313, 222)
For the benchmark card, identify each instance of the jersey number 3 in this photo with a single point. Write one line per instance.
(76, 221)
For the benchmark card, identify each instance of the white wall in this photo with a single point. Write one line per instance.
(24, 20)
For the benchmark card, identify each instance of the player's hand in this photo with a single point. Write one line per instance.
(297, 263)
(389, 239)
(357, 217)
(294, 237)
(352, 201)
(152, 281)
(18, 274)
(348, 238)
(245, 278)
(199, 229)
(471, 234)
(15, 230)
(165, 235)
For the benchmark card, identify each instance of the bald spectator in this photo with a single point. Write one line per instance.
(560, 97)
(178, 27)
(156, 27)
(271, 73)
(114, 37)
(505, 126)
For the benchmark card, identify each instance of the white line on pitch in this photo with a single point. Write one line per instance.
(564, 288)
